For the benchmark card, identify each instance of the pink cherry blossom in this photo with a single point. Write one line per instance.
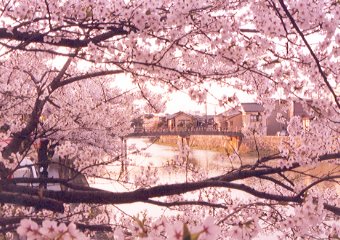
(174, 231)
(209, 229)
(27, 227)
(49, 228)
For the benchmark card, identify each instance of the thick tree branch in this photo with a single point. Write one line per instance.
(94, 196)
(36, 37)
(61, 73)
(87, 76)
(31, 201)
(333, 209)
(19, 137)
(142, 195)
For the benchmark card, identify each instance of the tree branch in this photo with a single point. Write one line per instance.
(284, 7)
(61, 73)
(36, 37)
(19, 137)
(144, 194)
(183, 203)
(96, 196)
(87, 76)
(31, 201)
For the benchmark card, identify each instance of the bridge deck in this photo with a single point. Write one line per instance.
(182, 133)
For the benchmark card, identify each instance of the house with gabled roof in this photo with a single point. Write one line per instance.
(252, 115)
(153, 122)
(180, 121)
(301, 110)
(246, 115)
(283, 111)
(276, 121)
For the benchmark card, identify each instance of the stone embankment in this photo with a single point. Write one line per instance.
(265, 144)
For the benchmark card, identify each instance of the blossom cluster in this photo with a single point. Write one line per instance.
(310, 214)
(49, 230)
(164, 229)
(148, 176)
(245, 230)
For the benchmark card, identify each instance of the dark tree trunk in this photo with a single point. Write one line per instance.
(43, 162)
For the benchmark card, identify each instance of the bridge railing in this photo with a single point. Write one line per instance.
(182, 132)
(192, 129)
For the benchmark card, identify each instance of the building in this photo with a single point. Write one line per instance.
(276, 121)
(150, 122)
(181, 121)
(205, 121)
(220, 122)
(244, 116)
(283, 111)
(300, 109)
(270, 122)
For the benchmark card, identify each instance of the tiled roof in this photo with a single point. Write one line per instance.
(299, 110)
(176, 114)
(252, 107)
(246, 107)
(232, 112)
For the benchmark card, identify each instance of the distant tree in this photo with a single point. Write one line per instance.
(60, 63)
(162, 123)
(137, 122)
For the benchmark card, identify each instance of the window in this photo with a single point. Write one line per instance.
(255, 117)
(306, 123)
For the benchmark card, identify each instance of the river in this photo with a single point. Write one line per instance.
(164, 160)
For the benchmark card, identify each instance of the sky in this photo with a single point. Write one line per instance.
(181, 101)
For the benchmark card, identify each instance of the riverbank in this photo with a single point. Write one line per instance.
(264, 145)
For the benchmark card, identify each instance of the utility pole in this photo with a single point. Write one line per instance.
(206, 112)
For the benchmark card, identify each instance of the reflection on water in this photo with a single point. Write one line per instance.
(165, 161)
(161, 155)
(312, 174)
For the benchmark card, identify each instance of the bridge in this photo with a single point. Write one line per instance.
(234, 138)
(182, 132)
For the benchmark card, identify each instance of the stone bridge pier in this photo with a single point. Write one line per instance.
(184, 139)
(233, 142)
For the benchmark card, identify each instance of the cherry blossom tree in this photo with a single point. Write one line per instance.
(60, 65)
